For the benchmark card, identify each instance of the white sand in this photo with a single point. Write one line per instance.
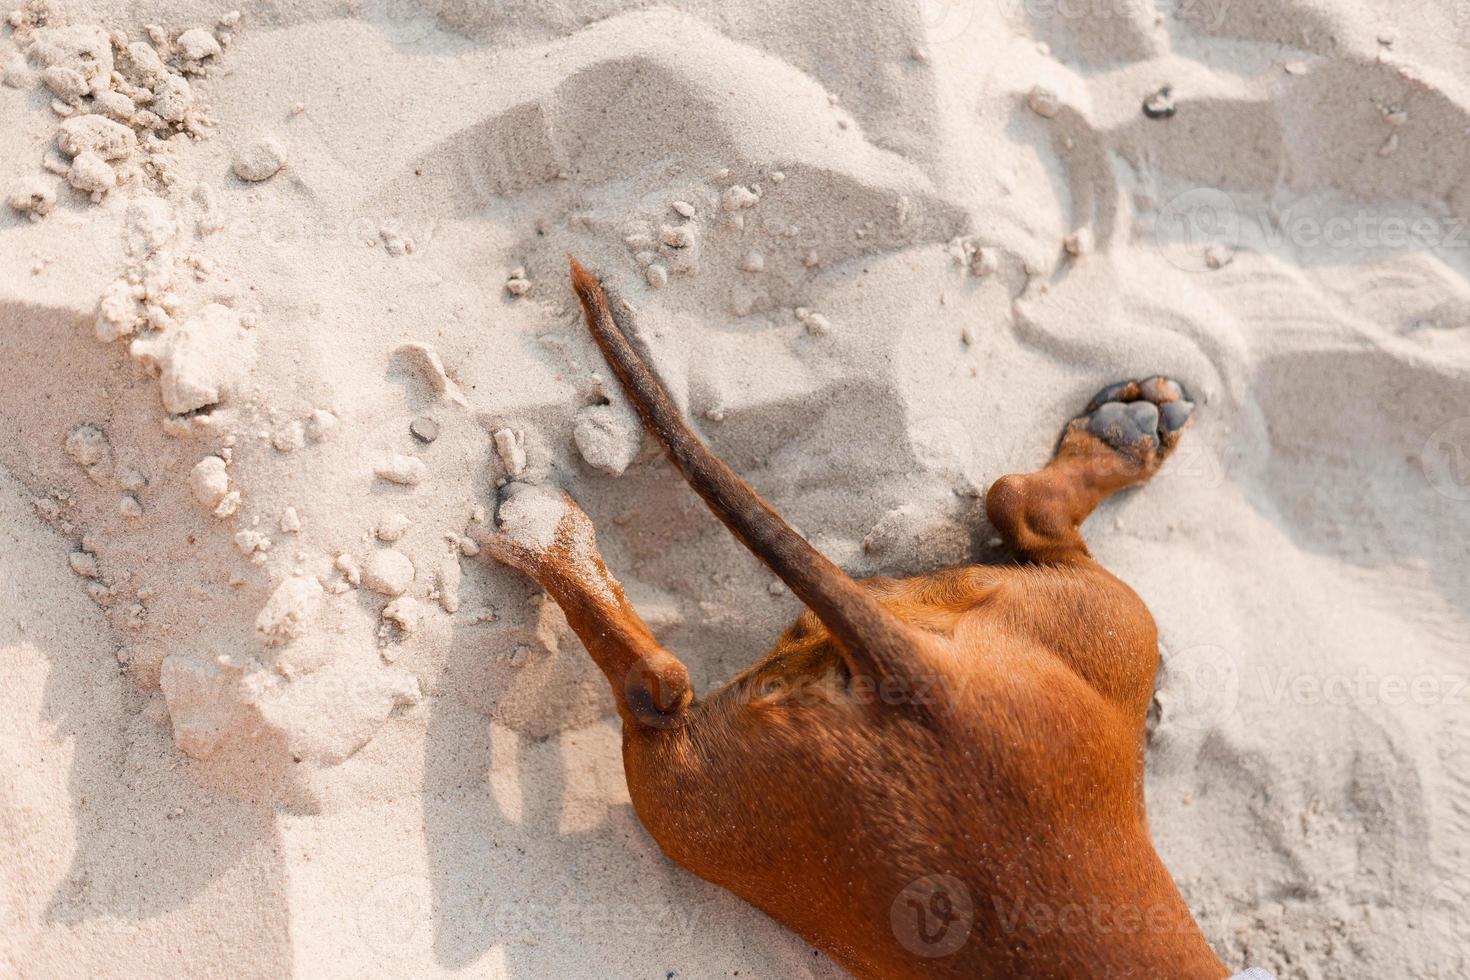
(880, 256)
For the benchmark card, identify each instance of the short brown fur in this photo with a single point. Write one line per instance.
(980, 723)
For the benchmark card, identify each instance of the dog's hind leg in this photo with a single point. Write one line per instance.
(543, 533)
(1123, 437)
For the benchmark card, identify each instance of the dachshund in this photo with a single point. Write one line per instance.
(939, 776)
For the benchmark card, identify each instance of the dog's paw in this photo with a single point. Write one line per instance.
(530, 521)
(1140, 420)
(534, 516)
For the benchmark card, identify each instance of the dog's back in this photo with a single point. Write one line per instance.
(1008, 809)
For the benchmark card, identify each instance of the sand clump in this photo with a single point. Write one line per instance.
(288, 612)
(259, 159)
(34, 197)
(402, 469)
(95, 134)
(510, 446)
(388, 572)
(391, 527)
(121, 101)
(200, 361)
(209, 482)
(426, 360)
(608, 438)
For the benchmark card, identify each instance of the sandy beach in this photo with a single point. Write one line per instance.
(283, 299)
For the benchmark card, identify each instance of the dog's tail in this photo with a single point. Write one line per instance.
(874, 642)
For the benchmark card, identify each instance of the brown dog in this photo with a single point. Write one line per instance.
(935, 776)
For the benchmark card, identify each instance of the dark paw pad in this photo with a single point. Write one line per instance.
(1138, 417)
(1133, 425)
(1175, 415)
